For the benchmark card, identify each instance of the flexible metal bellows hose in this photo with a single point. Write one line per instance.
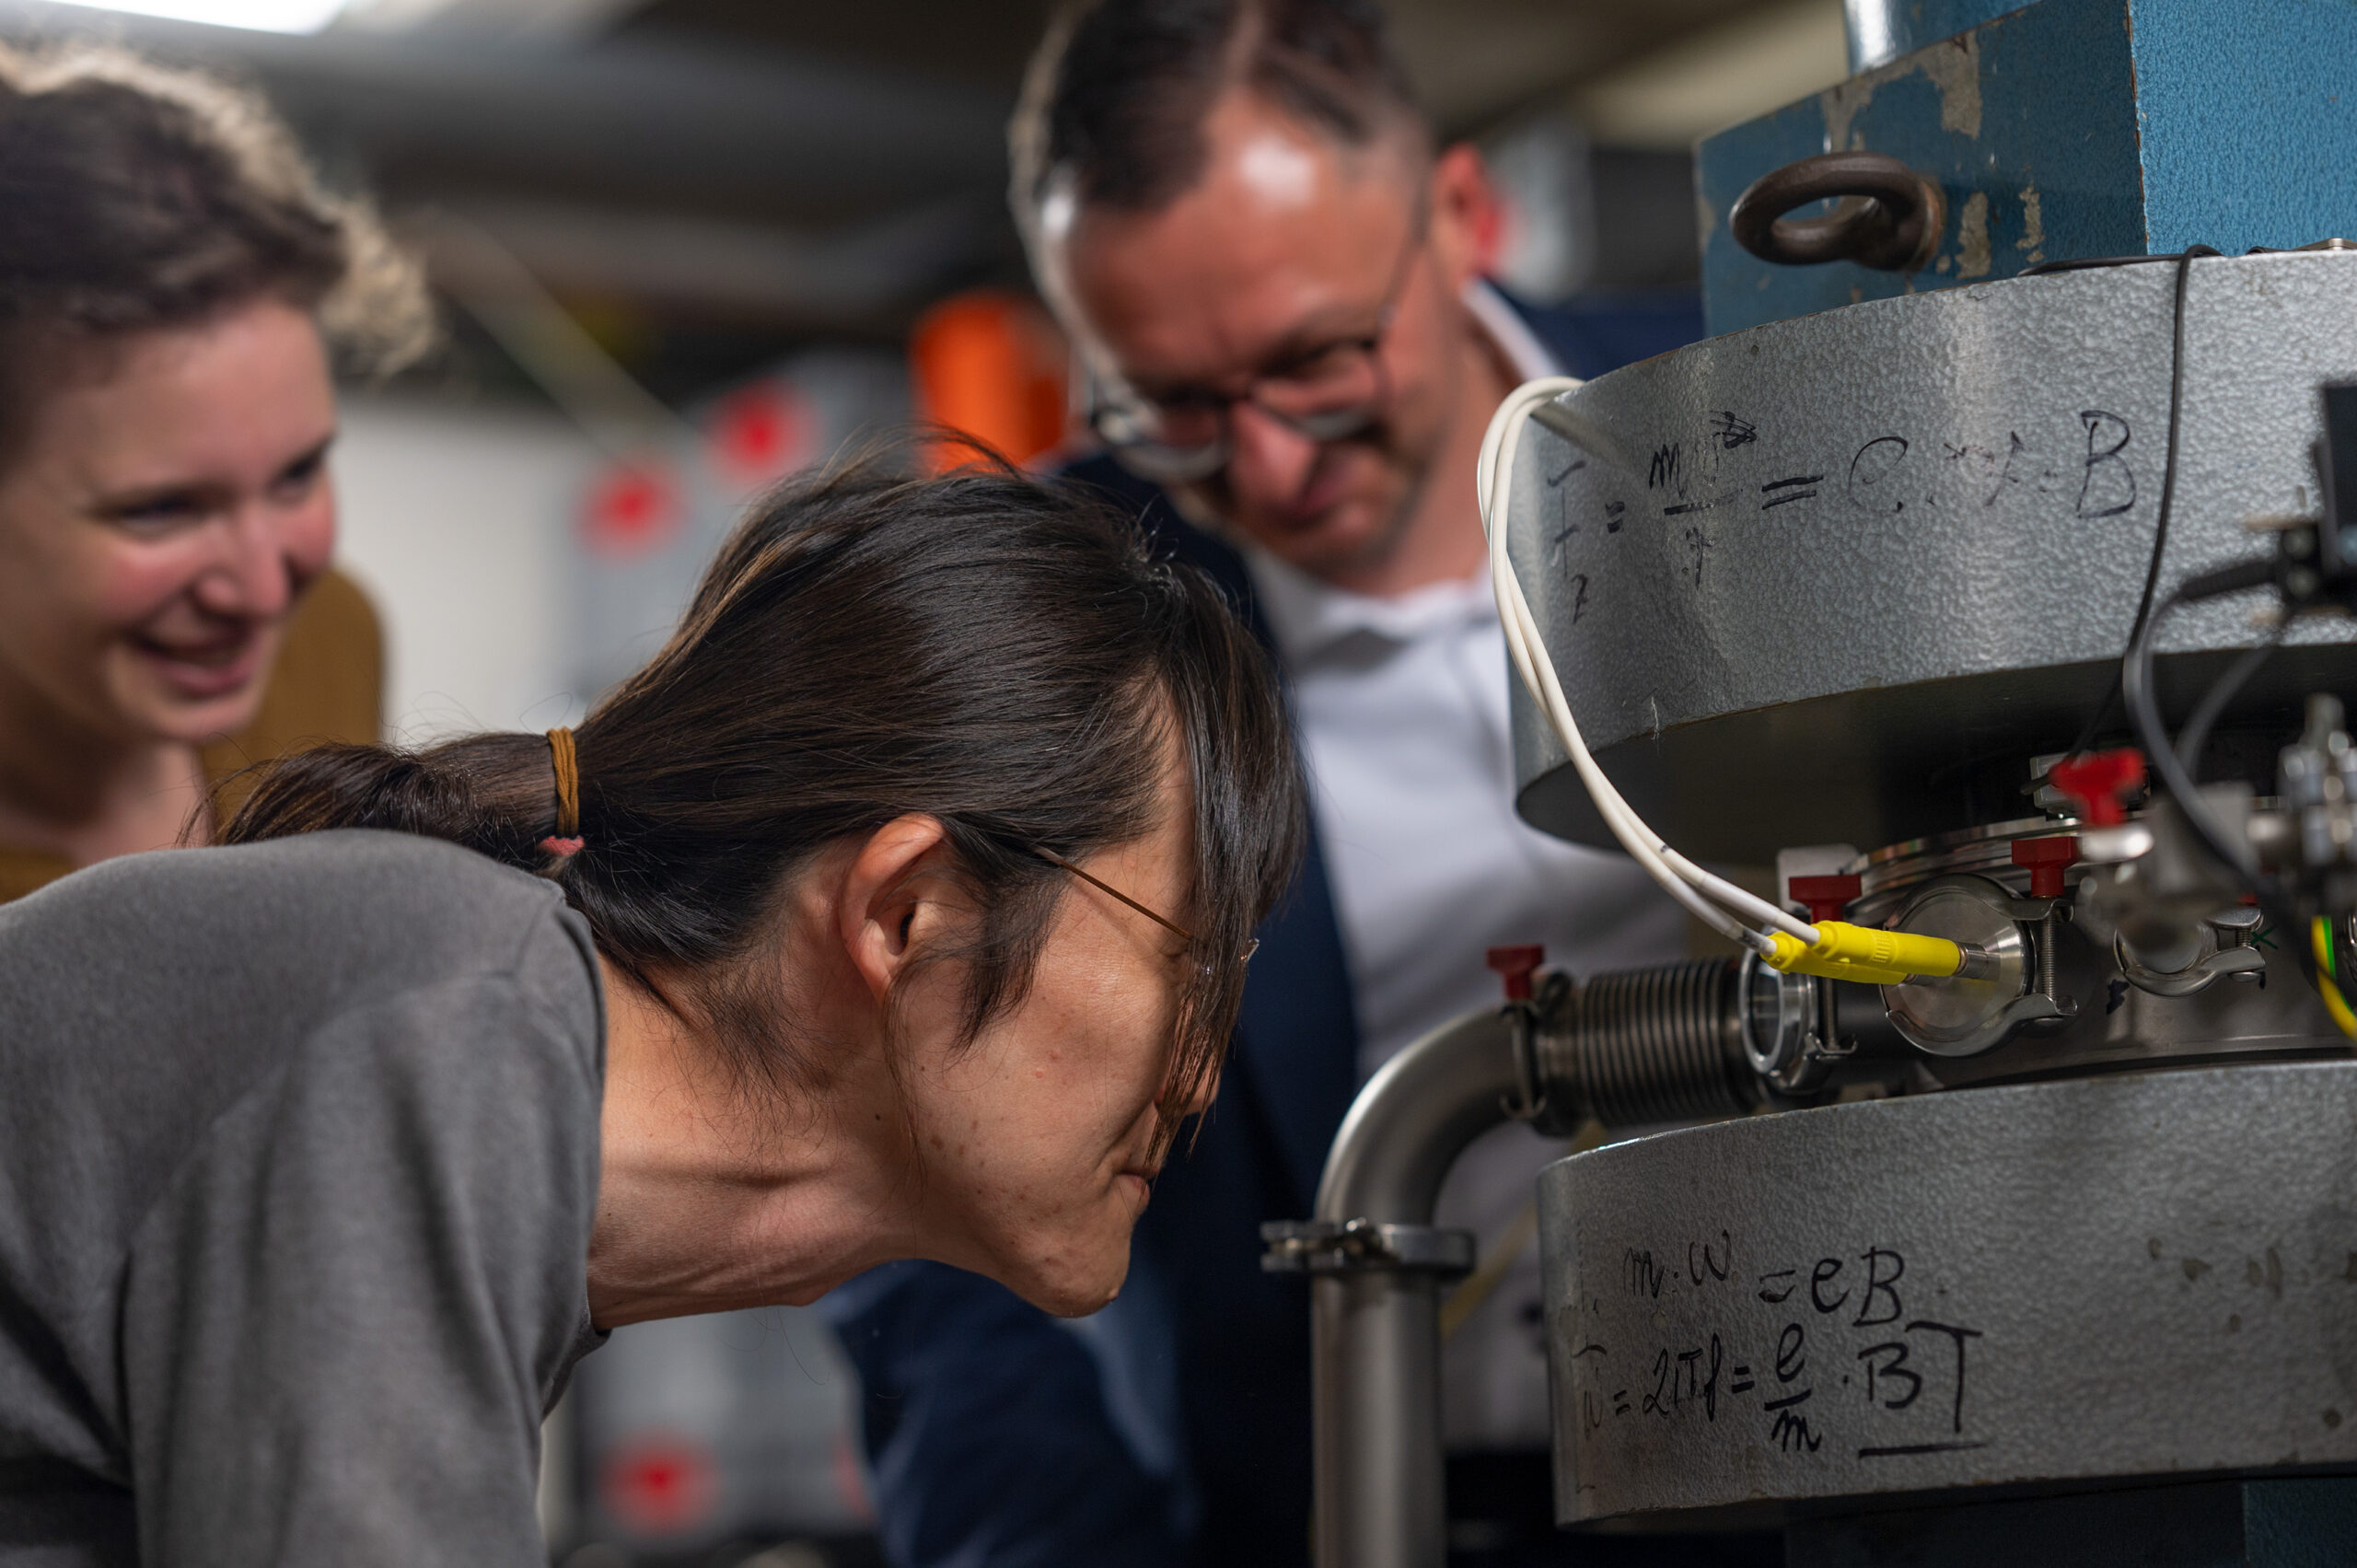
(1653, 1045)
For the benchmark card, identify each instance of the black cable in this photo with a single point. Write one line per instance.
(2196, 733)
(2144, 713)
(2184, 261)
(2092, 263)
(2168, 462)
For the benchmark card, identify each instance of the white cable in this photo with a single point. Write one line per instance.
(1641, 846)
(1684, 882)
(1502, 441)
(1673, 870)
(1687, 882)
(1504, 436)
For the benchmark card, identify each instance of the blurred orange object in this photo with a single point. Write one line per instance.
(994, 366)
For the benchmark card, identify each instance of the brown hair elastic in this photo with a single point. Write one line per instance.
(565, 764)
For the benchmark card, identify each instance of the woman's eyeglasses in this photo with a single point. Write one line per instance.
(1330, 393)
(1172, 927)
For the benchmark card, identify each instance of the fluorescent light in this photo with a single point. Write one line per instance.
(261, 16)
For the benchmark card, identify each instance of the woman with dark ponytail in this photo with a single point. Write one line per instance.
(899, 908)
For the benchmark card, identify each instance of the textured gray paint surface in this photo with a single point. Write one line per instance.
(2132, 1276)
(1917, 527)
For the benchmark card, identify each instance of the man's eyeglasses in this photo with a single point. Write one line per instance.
(1172, 927)
(1327, 393)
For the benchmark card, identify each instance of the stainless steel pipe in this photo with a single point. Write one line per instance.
(1375, 1329)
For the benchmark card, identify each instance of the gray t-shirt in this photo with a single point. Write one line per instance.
(299, 1156)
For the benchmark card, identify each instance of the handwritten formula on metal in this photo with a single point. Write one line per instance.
(1791, 1353)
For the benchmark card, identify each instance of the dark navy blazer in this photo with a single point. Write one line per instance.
(1174, 1427)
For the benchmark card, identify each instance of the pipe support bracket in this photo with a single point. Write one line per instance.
(1360, 1245)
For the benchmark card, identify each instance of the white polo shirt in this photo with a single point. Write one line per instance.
(1403, 713)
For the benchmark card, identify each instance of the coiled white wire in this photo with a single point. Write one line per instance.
(1708, 896)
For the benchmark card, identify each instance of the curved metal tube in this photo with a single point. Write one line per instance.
(1375, 1335)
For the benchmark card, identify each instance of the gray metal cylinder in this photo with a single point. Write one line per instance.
(2085, 1281)
(1836, 579)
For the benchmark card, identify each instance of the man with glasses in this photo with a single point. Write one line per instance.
(1275, 281)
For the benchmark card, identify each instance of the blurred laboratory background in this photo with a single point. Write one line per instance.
(683, 248)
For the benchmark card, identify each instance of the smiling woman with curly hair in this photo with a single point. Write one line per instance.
(174, 285)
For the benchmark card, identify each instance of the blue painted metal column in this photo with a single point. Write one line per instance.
(2065, 129)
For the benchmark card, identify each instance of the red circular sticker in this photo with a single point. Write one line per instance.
(632, 509)
(659, 1485)
(760, 432)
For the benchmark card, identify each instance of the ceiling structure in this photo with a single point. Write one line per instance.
(752, 171)
(1472, 60)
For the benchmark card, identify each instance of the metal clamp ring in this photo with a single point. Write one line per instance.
(2191, 980)
(1341, 1246)
(1890, 217)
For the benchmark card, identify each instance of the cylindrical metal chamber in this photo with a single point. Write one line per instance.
(1813, 581)
(2151, 1275)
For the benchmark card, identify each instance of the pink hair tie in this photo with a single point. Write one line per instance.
(563, 848)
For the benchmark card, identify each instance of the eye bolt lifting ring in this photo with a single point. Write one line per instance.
(1889, 217)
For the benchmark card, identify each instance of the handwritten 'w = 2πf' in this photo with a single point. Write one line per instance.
(1791, 488)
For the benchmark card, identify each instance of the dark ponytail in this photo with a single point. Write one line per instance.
(480, 791)
(993, 651)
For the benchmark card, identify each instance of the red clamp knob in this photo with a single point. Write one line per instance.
(1517, 965)
(2045, 859)
(2098, 783)
(1826, 897)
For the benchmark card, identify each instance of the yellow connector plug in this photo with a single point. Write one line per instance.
(1866, 954)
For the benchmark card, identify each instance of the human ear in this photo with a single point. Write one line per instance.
(891, 901)
(1468, 219)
